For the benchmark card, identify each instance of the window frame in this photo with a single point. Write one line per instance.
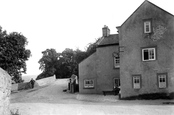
(133, 83)
(147, 22)
(87, 86)
(149, 49)
(116, 58)
(166, 80)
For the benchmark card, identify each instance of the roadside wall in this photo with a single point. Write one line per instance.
(45, 81)
(27, 85)
(5, 90)
(14, 87)
(22, 86)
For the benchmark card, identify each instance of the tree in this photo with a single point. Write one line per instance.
(48, 63)
(13, 54)
(91, 48)
(64, 64)
(80, 55)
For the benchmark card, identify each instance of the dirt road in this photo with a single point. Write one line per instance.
(51, 100)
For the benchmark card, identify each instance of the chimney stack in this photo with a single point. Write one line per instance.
(106, 31)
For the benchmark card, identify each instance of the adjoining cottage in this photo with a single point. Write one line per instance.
(146, 41)
(100, 71)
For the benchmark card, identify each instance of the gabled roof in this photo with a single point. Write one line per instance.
(146, 1)
(112, 39)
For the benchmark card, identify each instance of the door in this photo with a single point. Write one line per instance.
(116, 82)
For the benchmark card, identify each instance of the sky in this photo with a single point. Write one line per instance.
(61, 24)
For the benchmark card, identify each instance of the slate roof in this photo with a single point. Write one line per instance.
(112, 39)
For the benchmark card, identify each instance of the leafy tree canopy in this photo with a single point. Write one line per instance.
(48, 62)
(13, 54)
(64, 64)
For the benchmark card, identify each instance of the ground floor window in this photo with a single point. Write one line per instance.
(136, 81)
(89, 83)
(162, 80)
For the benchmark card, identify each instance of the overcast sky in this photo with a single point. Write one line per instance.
(61, 24)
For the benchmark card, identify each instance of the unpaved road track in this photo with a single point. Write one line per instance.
(51, 100)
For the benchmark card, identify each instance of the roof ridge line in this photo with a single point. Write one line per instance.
(142, 5)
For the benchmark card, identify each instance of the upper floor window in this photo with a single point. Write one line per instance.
(162, 80)
(148, 54)
(147, 27)
(116, 60)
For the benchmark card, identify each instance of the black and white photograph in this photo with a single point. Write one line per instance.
(86, 57)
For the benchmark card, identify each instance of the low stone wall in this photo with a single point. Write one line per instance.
(14, 87)
(23, 86)
(5, 90)
(45, 81)
(20, 86)
(27, 85)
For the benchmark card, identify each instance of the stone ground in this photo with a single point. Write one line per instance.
(51, 100)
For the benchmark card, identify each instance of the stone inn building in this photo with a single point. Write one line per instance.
(146, 42)
(144, 51)
(100, 71)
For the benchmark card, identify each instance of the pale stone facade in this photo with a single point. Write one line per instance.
(141, 73)
(5, 90)
(98, 69)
